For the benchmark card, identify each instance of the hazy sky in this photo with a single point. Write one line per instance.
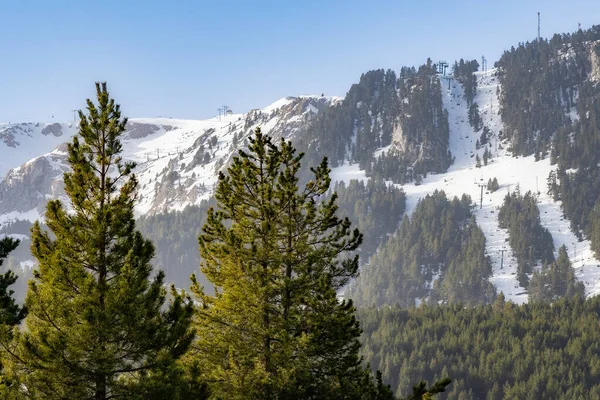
(185, 59)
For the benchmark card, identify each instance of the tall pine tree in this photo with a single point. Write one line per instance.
(275, 328)
(98, 326)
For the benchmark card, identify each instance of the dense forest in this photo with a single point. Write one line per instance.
(175, 236)
(493, 352)
(438, 254)
(555, 280)
(383, 109)
(374, 207)
(577, 152)
(530, 241)
(542, 83)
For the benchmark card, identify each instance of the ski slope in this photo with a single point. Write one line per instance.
(512, 173)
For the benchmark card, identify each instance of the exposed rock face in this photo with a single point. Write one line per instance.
(137, 130)
(31, 185)
(171, 181)
(399, 141)
(595, 58)
(54, 129)
(10, 134)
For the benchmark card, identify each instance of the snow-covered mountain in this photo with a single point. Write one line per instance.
(511, 172)
(22, 142)
(177, 160)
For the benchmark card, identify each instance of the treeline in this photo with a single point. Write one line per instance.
(577, 151)
(437, 255)
(530, 241)
(464, 72)
(375, 208)
(493, 352)
(556, 280)
(379, 109)
(361, 123)
(541, 83)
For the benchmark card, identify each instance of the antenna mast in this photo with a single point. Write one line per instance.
(539, 36)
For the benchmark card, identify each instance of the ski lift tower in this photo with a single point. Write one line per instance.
(441, 67)
(481, 185)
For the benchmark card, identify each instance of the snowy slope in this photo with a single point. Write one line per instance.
(177, 160)
(464, 177)
(178, 163)
(22, 142)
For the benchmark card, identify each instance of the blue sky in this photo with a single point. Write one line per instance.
(186, 58)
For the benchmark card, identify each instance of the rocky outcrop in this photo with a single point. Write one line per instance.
(595, 58)
(136, 130)
(54, 129)
(10, 134)
(30, 186)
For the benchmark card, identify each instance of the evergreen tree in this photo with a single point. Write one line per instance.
(486, 156)
(97, 324)
(275, 328)
(556, 280)
(493, 185)
(11, 313)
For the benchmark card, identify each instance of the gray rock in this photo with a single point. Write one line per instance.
(55, 129)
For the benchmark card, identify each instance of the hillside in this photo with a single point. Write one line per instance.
(421, 132)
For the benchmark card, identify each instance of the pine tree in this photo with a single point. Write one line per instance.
(556, 280)
(98, 326)
(11, 313)
(275, 328)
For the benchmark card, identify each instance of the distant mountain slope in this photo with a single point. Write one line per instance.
(23, 141)
(420, 131)
(178, 160)
(463, 177)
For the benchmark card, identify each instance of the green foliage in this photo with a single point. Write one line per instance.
(363, 122)
(487, 154)
(540, 84)
(11, 313)
(556, 280)
(499, 351)
(493, 185)
(372, 110)
(175, 236)
(97, 324)
(275, 327)
(423, 122)
(464, 73)
(421, 392)
(438, 254)
(374, 207)
(475, 118)
(575, 183)
(529, 240)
